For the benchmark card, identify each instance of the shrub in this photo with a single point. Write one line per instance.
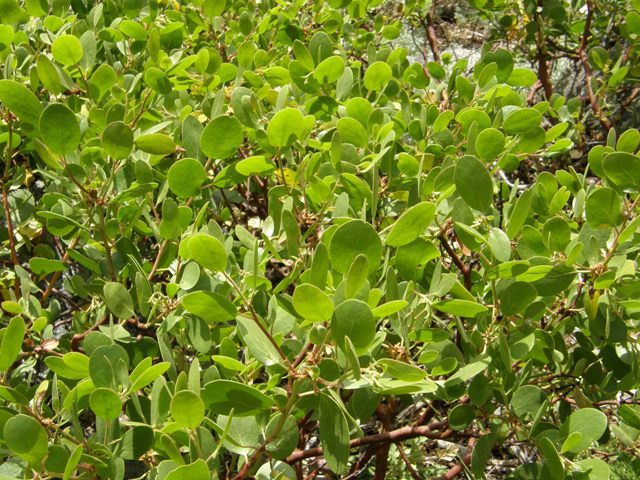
(258, 239)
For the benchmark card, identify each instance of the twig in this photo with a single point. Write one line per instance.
(582, 52)
(399, 435)
(464, 269)
(459, 468)
(58, 274)
(543, 66)
(414, 474)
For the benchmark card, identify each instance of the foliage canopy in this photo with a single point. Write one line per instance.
(260, 239)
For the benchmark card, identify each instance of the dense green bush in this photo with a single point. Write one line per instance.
(259, 239)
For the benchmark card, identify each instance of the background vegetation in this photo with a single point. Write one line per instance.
(332, 239)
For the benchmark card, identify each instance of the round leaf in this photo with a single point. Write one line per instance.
(209, 306)
(522, 120)
(118, 300)
(286, 126)
(60, 129)
(527, 400)
(105, 403)
(377, 76)
(117, 140)
(187, 409)
(489, 144)
(67, 50)
(589, 422)
(312, 303)
(353, 319)
(26, 438)
(185, 177)
(473, 183)
(221, 137)
(351, 239)
(623, 169)
(206, 250)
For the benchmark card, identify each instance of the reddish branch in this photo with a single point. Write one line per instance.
(464, 269)
(584, 59)
(459, 468)
(56, 275)
(543, 65)
(7, 215)
(429, 431)
(431, 32)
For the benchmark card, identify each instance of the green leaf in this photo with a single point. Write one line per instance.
(72, 365)
(255, 165)
(105, 403)
(206, 250)
(312, 303)
(629, 141)
(147, 373)
(500, 244)
(356, 276)
(473, 183)
(351, 131)
(26, 438)
(460, 308)
(118, 300)
(517, 297)
(351, 239)
(187, 409)
(20, 101)
(527, 400)
(522, 120)
(11, 307)
(221, 137)
(156, 144)
(329, 70)
(45, 266)
(389, 308)
(209, 306)
(595, 469)
(48, 74)
(185, 177)
(522, 77)
(623, 169)
(334, 434)
(377, 76)
(286, 126)
(117, 140)
(401, 370)
(257, 342)
(60, 129)
(603, 208)
(223, 396)
(489, 144)
(72, 463)
(461, 416)
(353, 319)
(11, 343)
(630, 414)
(589, 422)
(67, 50)
(194, 471)
(552, 460)
(411, 224)
(519, 213)
(157, 80)
(285, 441)
(481, 454)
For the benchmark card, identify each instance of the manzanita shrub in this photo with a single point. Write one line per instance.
(259, 239)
